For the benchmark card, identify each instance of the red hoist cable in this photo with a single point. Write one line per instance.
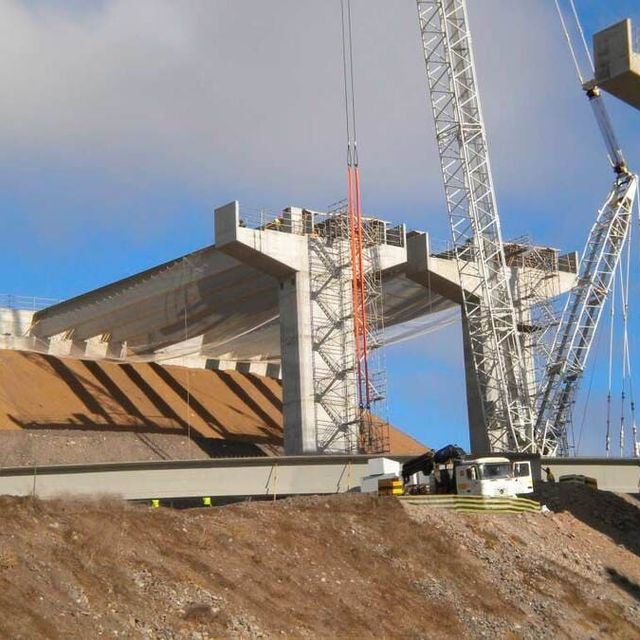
(354, 212)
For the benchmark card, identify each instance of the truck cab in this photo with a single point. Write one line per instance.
(493, 477)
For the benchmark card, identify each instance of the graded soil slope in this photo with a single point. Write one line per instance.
(64, 410)
(348, 566)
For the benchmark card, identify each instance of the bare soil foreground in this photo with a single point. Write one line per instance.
(320, 567)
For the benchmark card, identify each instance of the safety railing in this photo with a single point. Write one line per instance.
(439, 248)
(307, 222)
(270, 220)
(25, 303)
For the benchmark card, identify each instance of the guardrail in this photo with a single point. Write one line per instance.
(309, 222)
(26, 303)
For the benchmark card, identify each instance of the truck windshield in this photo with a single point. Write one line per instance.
(491, 470)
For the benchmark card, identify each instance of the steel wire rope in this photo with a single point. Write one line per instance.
(567, 36)
(355, 210)
(634, 429)
(353, 97)
(588, 398)
(344, 78)
(582, 36)
(624, 368)
(626, 362)
(612, 314)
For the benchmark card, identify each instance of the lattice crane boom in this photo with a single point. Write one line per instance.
(487, 301)
(600, 258)
(581, 316)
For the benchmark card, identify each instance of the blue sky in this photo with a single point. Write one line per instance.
(123, 124)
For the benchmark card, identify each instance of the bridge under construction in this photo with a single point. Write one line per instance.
(311, 297)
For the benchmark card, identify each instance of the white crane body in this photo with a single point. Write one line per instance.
(487, 301)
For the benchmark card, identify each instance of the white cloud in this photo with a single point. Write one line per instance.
(229, 98)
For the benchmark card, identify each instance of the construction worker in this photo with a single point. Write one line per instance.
(550, 476)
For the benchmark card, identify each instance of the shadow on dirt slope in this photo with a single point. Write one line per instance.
(631, 587)
(616, 516)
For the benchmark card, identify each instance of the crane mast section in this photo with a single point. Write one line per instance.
(581, 315)
(487, 300)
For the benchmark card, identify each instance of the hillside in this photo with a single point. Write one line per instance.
(65, 410)
(318, 567)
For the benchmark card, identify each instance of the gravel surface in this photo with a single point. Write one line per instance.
(347, 566)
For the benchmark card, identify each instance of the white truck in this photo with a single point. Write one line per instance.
(450, 470)
(493, 477)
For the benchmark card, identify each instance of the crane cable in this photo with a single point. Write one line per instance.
(612, 314)
(567, 36)
(581, 31)
(585, 409)
(634, 429)
(626, 357)
(354, 212)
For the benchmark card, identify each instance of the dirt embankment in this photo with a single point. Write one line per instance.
(67, 411)
(320, 567)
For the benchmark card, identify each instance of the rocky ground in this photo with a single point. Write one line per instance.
(320, 567)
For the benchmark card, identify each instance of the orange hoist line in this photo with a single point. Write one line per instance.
(362, 290)
(354, 282)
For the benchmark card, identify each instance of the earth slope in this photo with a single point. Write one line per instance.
(339, 566)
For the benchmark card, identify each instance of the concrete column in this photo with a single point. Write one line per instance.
(297, 365)
(478, 435)
(284, 254)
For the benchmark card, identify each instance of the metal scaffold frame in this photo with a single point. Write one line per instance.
(487, 301)
(333, 338)
(536, 301)
(374, 427)
(350, 417)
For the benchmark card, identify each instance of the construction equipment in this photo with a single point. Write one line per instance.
(488, 310)
(449, 470)
(600, 258)
(513, 420)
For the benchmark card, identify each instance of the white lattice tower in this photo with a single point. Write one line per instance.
(487, 303)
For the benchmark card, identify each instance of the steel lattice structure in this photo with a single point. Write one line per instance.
(334, 364)
(536, 300)
(343, 423)
(581, 316)
(473, 215)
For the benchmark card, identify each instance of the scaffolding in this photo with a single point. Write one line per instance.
(350, 417)
(537, 303)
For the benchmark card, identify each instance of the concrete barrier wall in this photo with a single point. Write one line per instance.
(613, 474)
(221, 477)
(227, 477)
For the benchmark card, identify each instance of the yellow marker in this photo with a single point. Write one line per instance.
(206, 501)
(155, 503)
